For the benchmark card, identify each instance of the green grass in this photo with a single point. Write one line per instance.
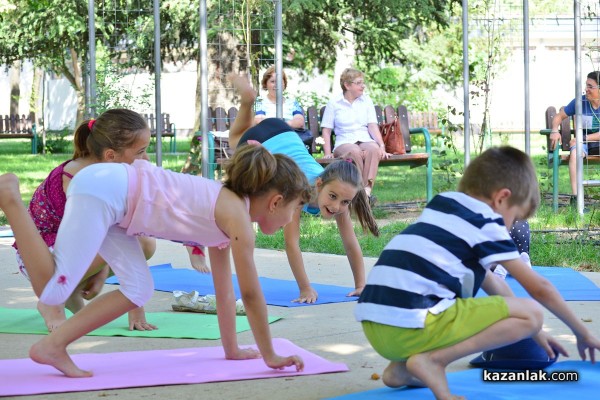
(562, 238)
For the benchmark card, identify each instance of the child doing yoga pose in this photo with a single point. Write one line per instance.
(337, 190)
(118, 135)
(110, 204)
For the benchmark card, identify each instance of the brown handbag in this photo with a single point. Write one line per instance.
(392, 137)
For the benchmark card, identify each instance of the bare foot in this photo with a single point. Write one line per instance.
(53, 315)
(396, 375)
(432, 373)
(9, 191)
(44, 352)
(198, 259)
(243, 87)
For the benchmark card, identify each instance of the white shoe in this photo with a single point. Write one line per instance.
(525, 258)
(500, 271)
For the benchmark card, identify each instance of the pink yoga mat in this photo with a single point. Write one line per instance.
(152, 368)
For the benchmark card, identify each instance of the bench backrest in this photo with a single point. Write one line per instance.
(386, 115)
(17, 124)
(564, 129)
(166, 123)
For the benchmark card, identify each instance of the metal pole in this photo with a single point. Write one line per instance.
(578, 107)
(92, 59)
(204, 89)
(526, 75)
(466, 130)
(278, 59)
(157, 72)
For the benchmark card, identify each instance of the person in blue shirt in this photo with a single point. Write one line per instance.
(590, 112)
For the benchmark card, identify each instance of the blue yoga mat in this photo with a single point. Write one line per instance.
(6, 233)
(572, 285)
(470, 384)
(277, 292)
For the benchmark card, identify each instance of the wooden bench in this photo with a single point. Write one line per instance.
(387, 114)
(168, 129)
(560, 155)
(16, 126)
(424, 119)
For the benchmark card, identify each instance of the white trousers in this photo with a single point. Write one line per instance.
(96, 203)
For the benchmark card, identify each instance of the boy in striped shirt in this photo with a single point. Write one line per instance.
(418, 308)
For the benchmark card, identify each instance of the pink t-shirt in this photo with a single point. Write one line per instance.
(173, 206)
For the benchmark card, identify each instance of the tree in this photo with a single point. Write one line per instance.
(49, 32)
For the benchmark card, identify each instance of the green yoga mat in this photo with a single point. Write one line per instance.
(179, 325)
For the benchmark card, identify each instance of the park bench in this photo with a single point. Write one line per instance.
(220, 120)
(411, 159)
(16, 126)
(560, 155)
(168, 129)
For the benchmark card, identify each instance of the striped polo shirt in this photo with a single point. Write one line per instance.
(442, 256)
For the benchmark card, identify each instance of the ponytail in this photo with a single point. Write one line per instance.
(253, 171)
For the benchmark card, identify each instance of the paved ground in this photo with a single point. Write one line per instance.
(327, 330)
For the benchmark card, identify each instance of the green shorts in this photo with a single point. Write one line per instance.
(465, 318)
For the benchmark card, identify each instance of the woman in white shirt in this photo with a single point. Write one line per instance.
(352, 117)
(265, 107)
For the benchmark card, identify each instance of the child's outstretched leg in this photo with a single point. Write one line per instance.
(37, 259)
(245, 116)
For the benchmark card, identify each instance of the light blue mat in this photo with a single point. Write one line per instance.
(6, 233)
(470, 384)
(572, 285)
(277, 292)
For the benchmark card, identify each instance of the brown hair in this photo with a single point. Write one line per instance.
(346, 171)
(348, 76)
(115, 129)
(253, 171)
(269, 73)
(503, 167)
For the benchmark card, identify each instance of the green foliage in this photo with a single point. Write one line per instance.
(57, 142)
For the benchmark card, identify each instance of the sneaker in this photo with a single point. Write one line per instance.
(525, 258)
(500, 271)
(204, 304)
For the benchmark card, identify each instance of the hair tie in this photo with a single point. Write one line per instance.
(91, 123)
(349, 160)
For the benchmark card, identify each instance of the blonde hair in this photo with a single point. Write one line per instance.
(503, 167)
(253, 171)
(348, 76)
(269, 73)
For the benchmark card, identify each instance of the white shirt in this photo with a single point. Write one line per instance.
(350, 120)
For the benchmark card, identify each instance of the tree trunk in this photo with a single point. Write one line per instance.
(15, 90)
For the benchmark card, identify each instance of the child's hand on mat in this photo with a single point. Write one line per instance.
(307, 296)
(279, 362)
(550, 344)
(588, 342)
(137, 321)
(356, 292)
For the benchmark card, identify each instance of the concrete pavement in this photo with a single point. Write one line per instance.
(327, 330)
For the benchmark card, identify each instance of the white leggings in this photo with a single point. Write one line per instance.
(96, 203)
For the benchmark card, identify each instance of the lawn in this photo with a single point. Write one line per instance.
(562, 238)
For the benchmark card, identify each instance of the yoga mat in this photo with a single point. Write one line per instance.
(181, 325)
(6, 233)
(277, 292)
(572, 285)
(470, 384)
(153, 368)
